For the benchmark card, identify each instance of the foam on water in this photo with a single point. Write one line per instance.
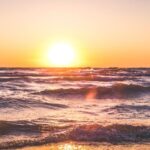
(36, 134)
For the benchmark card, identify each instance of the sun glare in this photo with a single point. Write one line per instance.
(61, 55)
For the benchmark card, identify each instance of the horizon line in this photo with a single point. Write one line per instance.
(68, 67)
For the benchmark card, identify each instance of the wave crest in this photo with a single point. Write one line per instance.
(114, 133)
(115, 91)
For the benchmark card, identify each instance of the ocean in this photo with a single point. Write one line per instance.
(52, 105)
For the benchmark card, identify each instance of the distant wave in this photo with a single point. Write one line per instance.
(49, 78)
(93, 74)
(58, 75)
(114, 91)
(88, 133)
(91, 78)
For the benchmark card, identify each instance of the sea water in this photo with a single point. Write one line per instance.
(50, 105)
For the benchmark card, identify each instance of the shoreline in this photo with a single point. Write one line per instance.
(88, 146)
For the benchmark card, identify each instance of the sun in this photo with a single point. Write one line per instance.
(61, 55)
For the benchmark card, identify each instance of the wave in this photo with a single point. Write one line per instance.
(10, 127)
(92, 77)
(57, 78)
(98, 74)
(128, 108)
(114, 91)
(27, 103)
(115, 133)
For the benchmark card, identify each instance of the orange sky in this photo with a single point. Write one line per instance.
(104, 33)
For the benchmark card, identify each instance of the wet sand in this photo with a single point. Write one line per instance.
(89, 146)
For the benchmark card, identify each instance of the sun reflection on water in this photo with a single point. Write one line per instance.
(70, 147)
(84, 146)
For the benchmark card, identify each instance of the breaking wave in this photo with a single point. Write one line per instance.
(88, 133)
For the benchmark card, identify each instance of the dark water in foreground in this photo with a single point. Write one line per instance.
(39, 106)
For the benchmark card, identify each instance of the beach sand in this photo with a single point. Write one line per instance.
(89, 146)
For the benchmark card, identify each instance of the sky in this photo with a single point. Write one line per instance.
(104, 33)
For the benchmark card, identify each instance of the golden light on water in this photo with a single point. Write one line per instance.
(77, 146)
(61, 55)
(68, 147)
